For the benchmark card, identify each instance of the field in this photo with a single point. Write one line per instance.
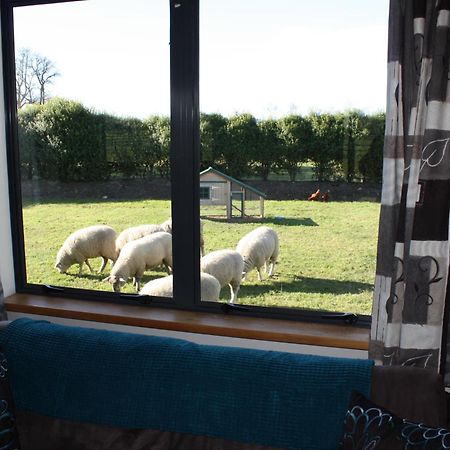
(327, 250)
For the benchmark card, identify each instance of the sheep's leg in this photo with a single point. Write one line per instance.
(168, 268)
(234, 288)
(272, 268)
(260, 278)
(138, 284)
(89, 265)
(80, 271)
(102, 268)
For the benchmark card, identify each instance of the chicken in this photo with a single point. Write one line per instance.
(325, 197)
(315, 196)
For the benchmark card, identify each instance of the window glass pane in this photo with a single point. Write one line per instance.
(205, 193)
(93, 95)
(292, 101)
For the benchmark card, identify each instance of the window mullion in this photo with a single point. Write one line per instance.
(184, 154)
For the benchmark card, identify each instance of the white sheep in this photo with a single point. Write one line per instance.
(167, 226)
(133, 233)
(140, 255)
(91, 242)
(258, 248)
(163, 287)
(227, 266)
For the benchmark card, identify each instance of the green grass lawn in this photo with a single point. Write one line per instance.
(327, 250)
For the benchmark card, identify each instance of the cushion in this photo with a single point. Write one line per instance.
(8, 431)
(413, 393)
(369, 426)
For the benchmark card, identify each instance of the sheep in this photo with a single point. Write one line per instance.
(85, 243)
(140, 255)
(167, 226)
(227, 266)
(163, 287)
(257, 248)
(133, 233)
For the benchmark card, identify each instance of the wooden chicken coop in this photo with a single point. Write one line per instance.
(225, 196)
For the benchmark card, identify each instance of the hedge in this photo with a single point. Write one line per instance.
(63, 140)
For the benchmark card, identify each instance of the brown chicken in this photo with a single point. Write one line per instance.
(315, 196)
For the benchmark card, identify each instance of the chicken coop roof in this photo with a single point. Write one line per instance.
(234, 180)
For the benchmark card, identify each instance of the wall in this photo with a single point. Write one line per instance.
(6, 258)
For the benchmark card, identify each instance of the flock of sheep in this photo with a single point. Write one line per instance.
(145, 247)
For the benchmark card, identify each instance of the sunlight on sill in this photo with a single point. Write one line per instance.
(294, 332)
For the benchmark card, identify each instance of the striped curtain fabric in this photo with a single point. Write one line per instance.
(413, 246)
(3, 315)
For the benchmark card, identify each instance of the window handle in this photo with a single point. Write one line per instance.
(347, 318)
(51, 289)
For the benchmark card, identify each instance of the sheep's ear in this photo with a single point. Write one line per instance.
(122, 280)
(107, 278)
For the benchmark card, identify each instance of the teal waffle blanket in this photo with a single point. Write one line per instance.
(126, 380)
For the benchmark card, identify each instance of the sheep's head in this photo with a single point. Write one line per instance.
(60, 267)
(116, 282)
(63, 261)
(167, 226)
(247, 264)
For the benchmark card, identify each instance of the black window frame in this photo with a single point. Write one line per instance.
(185, 180)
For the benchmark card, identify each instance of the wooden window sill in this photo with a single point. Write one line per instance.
(340, 336)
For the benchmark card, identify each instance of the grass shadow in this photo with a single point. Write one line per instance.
(286, 221)
(308, 285)
(29, 202)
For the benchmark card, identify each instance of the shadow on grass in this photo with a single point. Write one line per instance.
(286, 221)
(307, 284)
(28, 202)
(297, 284)
(101, 276)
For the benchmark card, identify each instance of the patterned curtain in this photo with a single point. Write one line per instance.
(413, 247)
(3, 315)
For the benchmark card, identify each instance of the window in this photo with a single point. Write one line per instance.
(106, 130)
(205, 193)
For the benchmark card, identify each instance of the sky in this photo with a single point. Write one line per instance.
(266, 57)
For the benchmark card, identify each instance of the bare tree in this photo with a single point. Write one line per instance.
(45, 72)
(34, 73)
(25, 82)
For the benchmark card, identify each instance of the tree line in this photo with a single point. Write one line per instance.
(63, 140)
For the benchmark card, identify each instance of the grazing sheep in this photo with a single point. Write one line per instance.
(91, 242)
(227, 266)
(133, 233)
(140, 255)
(257, 248)
(163, 287)
(167, 226)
